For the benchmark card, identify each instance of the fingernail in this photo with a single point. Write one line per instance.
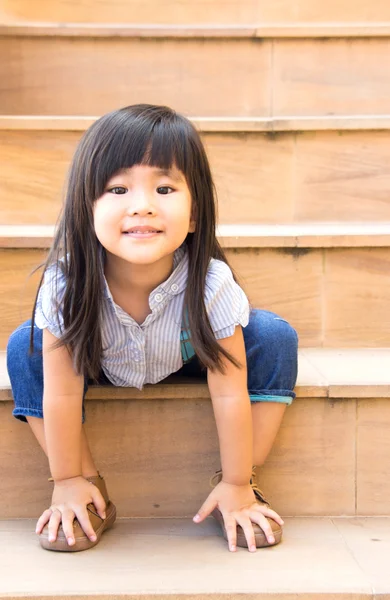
(93, 538)
(196, 518)
(51, 538)
(232, 548)
(70, 541)
(253, 548)
(104, 515)
(282, 522)
(271, 539)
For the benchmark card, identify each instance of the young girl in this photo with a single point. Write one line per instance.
(135, 288)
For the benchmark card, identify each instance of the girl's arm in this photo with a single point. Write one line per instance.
(62, 409)
(233, 415)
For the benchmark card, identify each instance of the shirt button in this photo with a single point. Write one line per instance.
(174, 287)
(158, 297)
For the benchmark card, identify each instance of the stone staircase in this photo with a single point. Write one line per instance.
(300, 92)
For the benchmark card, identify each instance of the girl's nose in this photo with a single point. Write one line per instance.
(141, 206)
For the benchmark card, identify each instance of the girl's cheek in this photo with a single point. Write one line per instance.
(103, 213)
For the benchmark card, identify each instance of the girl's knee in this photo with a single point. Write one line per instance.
(272, 331)
(20, 334)
(18, 346)
(286, 334)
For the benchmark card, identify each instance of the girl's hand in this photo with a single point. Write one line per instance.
(238, 504)
(69, 500)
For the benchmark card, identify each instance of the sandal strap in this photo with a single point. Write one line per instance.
(258, 493)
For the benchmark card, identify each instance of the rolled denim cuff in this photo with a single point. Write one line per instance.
(268, 398)
(21, 413)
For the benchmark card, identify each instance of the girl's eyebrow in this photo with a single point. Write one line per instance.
(158, 172)
(168, 173)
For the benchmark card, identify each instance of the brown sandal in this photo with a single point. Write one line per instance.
(260, 537)
(82, 541)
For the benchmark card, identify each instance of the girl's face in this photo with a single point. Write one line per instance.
(144, 214)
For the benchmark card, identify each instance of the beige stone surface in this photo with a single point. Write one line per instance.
(309, 77)
(336, 298)
(369, 543)
(35, 165)
(112, 73)
(199, 11)
(318, 11)
(133, 11)
(315, 176)
(158, 457)
(357, 297)
(319, 77)
(318, 558)
(373, 457)
(319, 465)
(342, 176)
(286, 281)
(351, 372)
(17, 288)
(259, 188)
(311, 469)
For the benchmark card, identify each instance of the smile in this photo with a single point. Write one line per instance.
(141, 234)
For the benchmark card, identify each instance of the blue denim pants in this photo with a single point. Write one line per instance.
(271, 346)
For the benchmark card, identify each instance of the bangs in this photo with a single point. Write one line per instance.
(123, 139)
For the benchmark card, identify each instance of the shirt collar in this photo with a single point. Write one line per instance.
(177, 280)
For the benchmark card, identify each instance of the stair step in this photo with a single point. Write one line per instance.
(158, 448)
(322, 373)
(300, 12)
(289, 67)
(295, 235)
(338, 289)
(319, 559)
(213, 124)
(282, 177)
(190, 31)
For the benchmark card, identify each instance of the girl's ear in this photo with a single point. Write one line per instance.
(192, 226)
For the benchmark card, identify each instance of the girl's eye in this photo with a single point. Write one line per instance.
(118, 187)
(123, 190)
(165, 187)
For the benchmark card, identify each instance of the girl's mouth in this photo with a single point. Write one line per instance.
(143, 234)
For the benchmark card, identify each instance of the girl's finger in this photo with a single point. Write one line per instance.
(245, 523)
(99, 502)
(43, 519)
(85, 523)
(260, 519)
(206, 509)
(67, 526)
(271, 514)
(231, 531)
(54, 523)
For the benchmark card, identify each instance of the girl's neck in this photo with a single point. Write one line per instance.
(142, 279)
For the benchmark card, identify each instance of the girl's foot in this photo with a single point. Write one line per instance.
(260, 537)
(82, 542)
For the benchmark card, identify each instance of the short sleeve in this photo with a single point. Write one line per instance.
(48, 314)
(226, 303)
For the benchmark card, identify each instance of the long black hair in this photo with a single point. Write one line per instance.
(142, 134)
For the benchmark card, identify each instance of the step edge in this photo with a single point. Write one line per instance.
(313, 30)
(294, 236)
(200, 392)
(213, 124)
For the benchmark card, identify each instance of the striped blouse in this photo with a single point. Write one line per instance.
(134, 354)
